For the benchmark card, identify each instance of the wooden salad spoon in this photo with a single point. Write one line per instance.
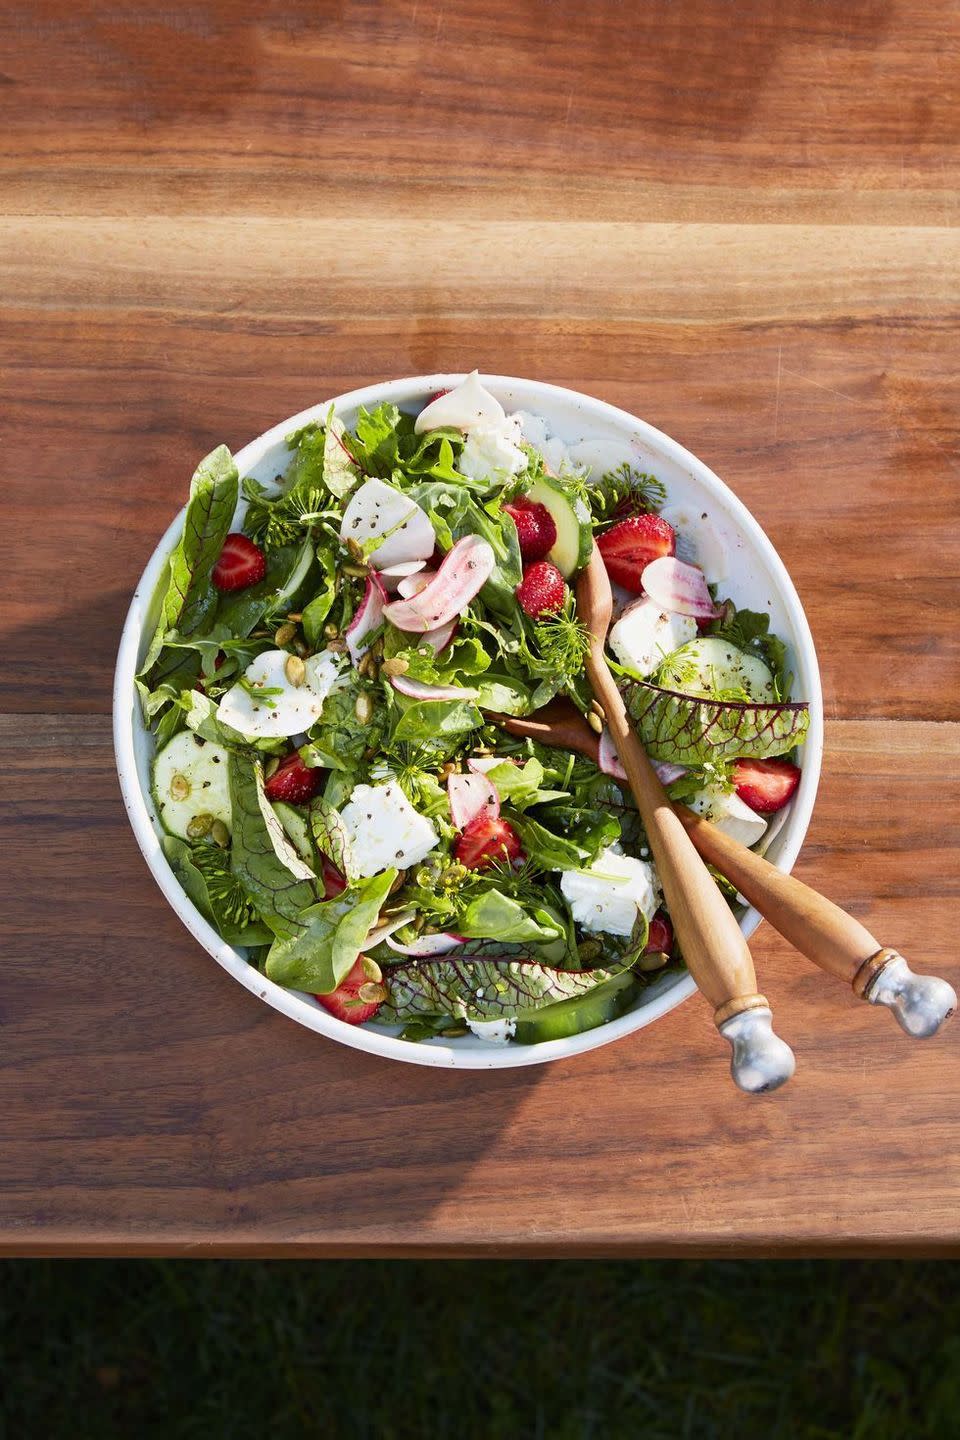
(814, 925)
(712, 942)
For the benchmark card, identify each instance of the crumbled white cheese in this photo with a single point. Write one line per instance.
(385, 830)
(495, 1032)
(464, 407)
(609, 894)
(492, 448)
(646, 634)
(294, 709)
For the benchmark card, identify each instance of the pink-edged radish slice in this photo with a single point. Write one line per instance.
(470, 796)
(609, 762)
(378, 511)
(439, 944)
(464, 572)
(421, 690)
(368, 616)
(483, 764)
(413, 583)
(679, 588)
(393, 576)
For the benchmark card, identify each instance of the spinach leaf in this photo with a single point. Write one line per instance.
(481, 989)
(495, 916)
(190, 598)
(545, 850)
(504, 694)
(205, 875)
(436, 720)
(339, 739)
(280, 884)
(316, 612)
(287, 569)
(329, 942)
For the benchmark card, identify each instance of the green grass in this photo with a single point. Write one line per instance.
(564, 1351)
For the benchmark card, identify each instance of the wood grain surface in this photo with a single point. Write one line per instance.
(742, 226)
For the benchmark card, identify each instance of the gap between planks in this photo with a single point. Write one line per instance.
(935, 739)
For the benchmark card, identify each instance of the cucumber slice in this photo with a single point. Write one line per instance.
(710, 664)
(581, 1012)
(191, 778)
(295, 827)
(572, 518)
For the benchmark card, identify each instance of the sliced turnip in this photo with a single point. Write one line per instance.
(667, 773)
(465, 570)
(368, 617)
(437, 639)
(463, 408)
(438, 944)
(378, 512)
(421, 690)
(470, 796)
(483, 764)
(413, 582)
(609, 762)
(679, 588)
(393, 576)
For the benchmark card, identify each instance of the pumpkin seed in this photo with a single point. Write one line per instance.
(595, 723)
(590, 950)
(399, 883)
(363, 708)
(179, 786)
(271, 767)
(220, 834)
(370, 968)
(295, 670)
(654, 961)
(296, 616)
(397, 666)
(354, 548)
(372, 994)
(199, 826)
(331, 631)
(284, 635)
(453, 1032)
(598, 709)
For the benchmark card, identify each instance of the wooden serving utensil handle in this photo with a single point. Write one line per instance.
(827, 935)
(712, 942)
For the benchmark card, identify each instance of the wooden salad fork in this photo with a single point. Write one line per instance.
(814, 925)
(712, 942)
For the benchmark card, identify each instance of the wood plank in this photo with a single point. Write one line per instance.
(794, 112)
(841, 436)
(150, 1104)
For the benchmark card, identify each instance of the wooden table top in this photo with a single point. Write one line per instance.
(742, 229)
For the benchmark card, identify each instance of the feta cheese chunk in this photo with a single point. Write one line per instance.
(609, 894)
(646, 634)
(385, 829)
(293, 709)
(728, 812)
(464, 407)
(495, 1032)
(492, 448)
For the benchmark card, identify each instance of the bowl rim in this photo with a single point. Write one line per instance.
(127, 720)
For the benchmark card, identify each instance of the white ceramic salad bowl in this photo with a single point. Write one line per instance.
(599, 434)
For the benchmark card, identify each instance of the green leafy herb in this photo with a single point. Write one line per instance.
(495, 916)
(690, 731)
(330, 834)
(204, 872)
(481, 989)
(329, 939)
(280, 884)
(624, 485)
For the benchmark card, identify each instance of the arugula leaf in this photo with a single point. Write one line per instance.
(340, 472)
(190, 598)
(480, 989)
(691, 731)
(329, 942)
(330, 834)
(204, 873)
(280, 884)
(495, 916)
(338, 736)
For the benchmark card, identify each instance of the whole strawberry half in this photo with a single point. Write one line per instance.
(345, 1001)
(536, 528)
(486, 841)
(333, 879)
(629, 546)
(293, 781)
(765, 785)
(542, 590)
(660, 936)
(241, 563)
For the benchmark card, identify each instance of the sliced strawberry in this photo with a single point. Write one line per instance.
(333, 879)
(241, 563)
(631, 544)
(293, 781)
(437, 396)
(542, 590)
(486, 841)
(660, 937)
(536, 527)
(765, 785)
(345, 1002)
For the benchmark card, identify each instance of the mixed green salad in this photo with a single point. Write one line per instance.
(328, 684)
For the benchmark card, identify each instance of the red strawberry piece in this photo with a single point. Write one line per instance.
(241, 563)
(437, 396)
(345, 1002)
(660, 938)
(293, 781)
(629, 546)
(765, 785)
(333, 879)
(542, 590)
(536, 528)
(486, 841)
